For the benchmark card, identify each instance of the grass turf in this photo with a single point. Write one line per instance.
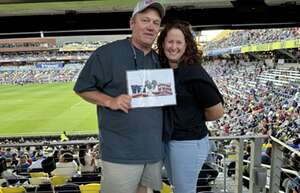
(44, 109)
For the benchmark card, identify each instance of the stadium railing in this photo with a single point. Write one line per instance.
(262, 178)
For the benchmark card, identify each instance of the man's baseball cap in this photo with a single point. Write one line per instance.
(144, 4)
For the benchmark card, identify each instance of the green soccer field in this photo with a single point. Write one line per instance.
(44, 109)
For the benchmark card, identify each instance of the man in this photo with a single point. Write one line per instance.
(131, 140)
(63, 136)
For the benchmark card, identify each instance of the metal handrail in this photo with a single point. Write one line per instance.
(51, 143)
(256, 142)
(285, 145)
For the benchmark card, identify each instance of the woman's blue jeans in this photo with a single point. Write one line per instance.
(184, 160)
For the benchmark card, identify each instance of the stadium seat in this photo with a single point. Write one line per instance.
(36, 170)
(3, 182)
(59, 180)
(67, 188)
(166, 189)
(38, 174)
(39, 180)
(86, 179)
(19, 189)
(46, 188)
(90, 188)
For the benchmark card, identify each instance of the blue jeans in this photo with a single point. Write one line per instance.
(184, 161)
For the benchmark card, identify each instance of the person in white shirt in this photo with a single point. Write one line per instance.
(37, 164)
(66, 166)
(6, 173)
(87, 160)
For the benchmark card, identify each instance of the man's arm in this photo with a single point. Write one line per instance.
(121, 102)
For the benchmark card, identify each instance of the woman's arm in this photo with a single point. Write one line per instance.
(214, 112)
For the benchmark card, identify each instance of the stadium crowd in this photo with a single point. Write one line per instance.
(259, 99)
(255, 104)
(19, 165)
(25, 44)
(43, 56)
(255, 36)
(33, 74)
(259, 105)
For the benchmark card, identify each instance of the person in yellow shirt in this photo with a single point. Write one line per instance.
(63, 136)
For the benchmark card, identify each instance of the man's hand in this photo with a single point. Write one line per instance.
(121, 102)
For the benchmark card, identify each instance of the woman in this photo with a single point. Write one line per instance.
(198, 101)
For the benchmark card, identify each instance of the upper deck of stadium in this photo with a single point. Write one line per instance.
(65, 17)
(82, 17)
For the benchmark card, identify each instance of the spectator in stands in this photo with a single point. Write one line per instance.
(2, 152)
(56, 155)
(29, 160)
(28, 150)
(295, 143)
(292, 165)
(221, 152)
(37, 164)
(198, 101)
(14, 160)
(242, 37)
(23, 165)
(63, 136)
(87, 160)
(8, 153)
(266, 156)
(48, 164)
(66, 166)
(6, 173)
(293, 185)
(231, 156)
(131, 138)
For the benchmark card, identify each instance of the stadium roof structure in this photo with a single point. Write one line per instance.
(33, 18)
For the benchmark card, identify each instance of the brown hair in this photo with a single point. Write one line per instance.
(191, 55)
(67, 157)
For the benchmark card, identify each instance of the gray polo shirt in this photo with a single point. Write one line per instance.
(136, 137)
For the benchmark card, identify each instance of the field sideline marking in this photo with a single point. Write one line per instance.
(46, 133)
(73, 106)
